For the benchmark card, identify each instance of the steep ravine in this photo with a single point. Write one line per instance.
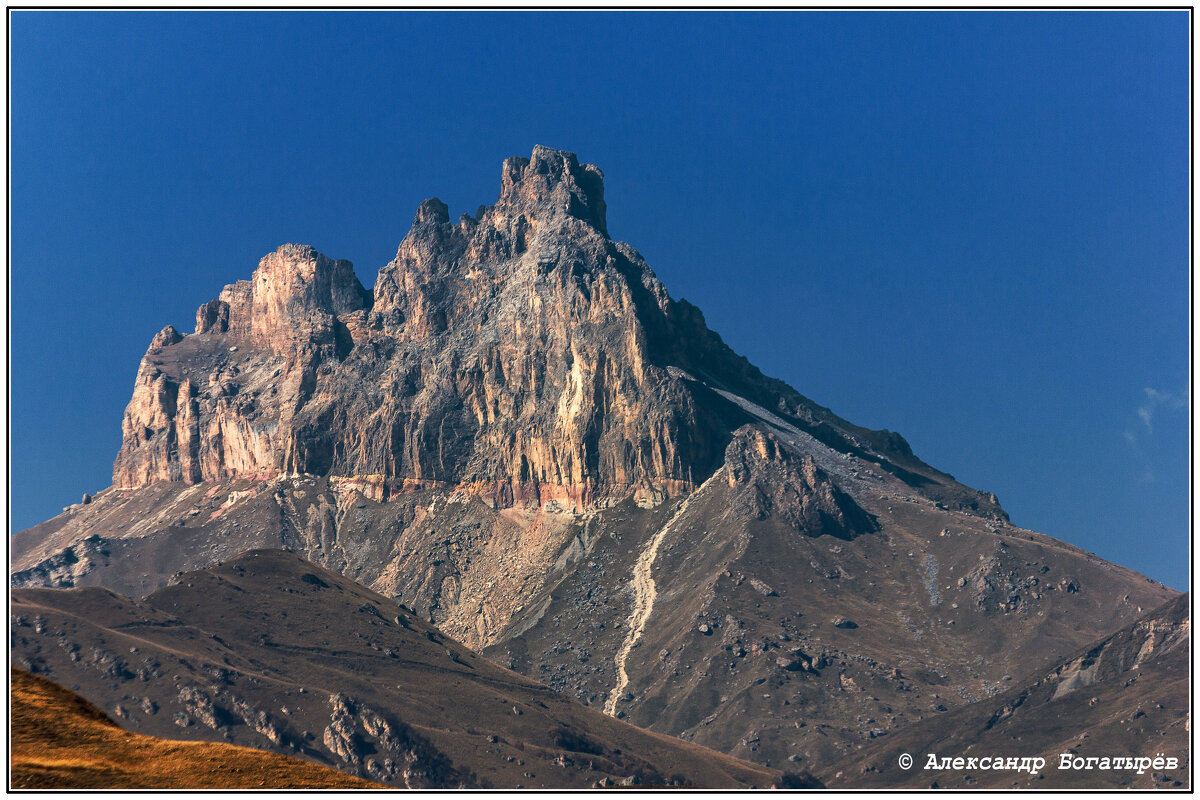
(644, 594)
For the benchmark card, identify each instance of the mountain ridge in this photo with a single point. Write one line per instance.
(523, 438)
(612, 332)
(1092, 716)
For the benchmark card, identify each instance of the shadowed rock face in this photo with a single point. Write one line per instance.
(774, 482)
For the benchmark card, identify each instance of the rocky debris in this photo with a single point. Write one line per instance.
(370, 745)
(104, 661)
(788, 663)
(999, 583)
(368, 608)
(67, 567)
(762, 588)
(799, 661)
(339, 736)
(260, 721)
(843, 622)
(781, 485)
(198, 706)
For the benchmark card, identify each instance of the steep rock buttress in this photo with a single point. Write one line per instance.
(519, 355)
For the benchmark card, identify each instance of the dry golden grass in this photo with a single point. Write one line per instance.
(61, 741)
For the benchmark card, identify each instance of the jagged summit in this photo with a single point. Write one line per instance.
(553, 182)
(545, 201)
(288, 286)
(520, 356)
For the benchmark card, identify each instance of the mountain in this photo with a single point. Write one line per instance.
(273, 652)
(1124, 696)
(59, 740)
(521, 436)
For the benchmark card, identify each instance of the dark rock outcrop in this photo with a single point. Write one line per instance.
(791, 488)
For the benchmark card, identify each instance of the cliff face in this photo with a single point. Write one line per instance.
(520, 355)
(505, 353)
(217, 404)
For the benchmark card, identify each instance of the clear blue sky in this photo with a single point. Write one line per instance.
(968, 227)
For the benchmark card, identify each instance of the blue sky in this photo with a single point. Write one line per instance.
(968, 227)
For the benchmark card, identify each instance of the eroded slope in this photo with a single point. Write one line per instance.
(1124, 696)
(274, 652)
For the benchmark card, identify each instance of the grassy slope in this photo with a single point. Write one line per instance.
(61, 741)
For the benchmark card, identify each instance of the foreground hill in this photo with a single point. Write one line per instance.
(273, 652)
(1125, 696)
(522, 437)
(58, 740)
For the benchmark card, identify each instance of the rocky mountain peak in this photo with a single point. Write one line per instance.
(292, 291)
(553, 182)
(526, 439)
(520, 356)
(550, 210)
(432, 211)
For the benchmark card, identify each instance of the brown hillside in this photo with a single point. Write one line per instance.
(276, 653)
(61, 741)
(1124, 696)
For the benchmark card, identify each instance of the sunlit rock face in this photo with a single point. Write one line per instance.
(520, 355)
